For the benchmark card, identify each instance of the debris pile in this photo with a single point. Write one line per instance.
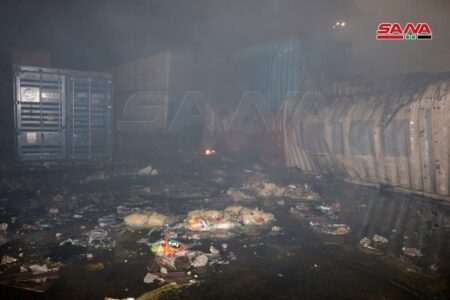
(260, 187)
(230, 218)
(145, 220)
(149, 170)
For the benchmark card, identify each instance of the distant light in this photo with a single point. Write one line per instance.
(209, 151)
(339, 24)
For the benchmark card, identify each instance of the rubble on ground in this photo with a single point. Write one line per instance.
(184, 226)
(330, 228)
(147, 220)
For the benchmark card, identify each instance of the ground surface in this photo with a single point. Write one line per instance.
(295, 263)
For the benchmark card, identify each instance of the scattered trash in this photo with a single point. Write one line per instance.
(150, 278)
(213, 250)
(218, 261)
(99, 237)
(334, 208)
(413, 252)
(167, 247)
(281, 202)
(329, 228)
(232, 217)
(200, 261)
(53, 211)
(147, 171)
(3, 226)
(107, 221)
(234, 210)
(301, 207)
(6, 260)
(379, 239)
(276, 228)
(293, 191)
(142, 221)
(237, 195)
(261, 187)
(199, 220)
(376, 239)
(74, 242)
(365, 243)
(257, 217)
(309, 194)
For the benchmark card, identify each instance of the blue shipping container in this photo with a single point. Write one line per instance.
(280, 68)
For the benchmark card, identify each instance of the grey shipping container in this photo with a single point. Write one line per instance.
(62, 114)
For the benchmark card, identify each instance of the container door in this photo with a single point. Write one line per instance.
(90, 117)
(39, 115)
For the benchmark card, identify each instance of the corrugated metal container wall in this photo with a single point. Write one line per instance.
(31, 58)
(90, 116)
(157, 80)
(61, 114)
(279, 69)
(162, 71)
(40, 114)
(397, 138)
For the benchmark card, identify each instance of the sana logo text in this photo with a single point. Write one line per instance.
(411, 31)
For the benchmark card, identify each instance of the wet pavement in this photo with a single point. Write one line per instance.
(384, 246)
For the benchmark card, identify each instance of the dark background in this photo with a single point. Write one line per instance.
(99, 34)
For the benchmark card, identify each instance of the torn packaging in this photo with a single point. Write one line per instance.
(168, 247)
(198, 220)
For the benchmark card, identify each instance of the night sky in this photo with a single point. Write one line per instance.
(100, 34)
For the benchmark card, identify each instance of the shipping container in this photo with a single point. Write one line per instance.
(287, 67)
(395, 135)
(62, 114)
(31, 58)
(146, 90)
(163, 71)
(89, 106)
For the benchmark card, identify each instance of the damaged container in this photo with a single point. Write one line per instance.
(62, 114)
(395, 134)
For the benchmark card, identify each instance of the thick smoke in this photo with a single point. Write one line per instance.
(374, 59)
